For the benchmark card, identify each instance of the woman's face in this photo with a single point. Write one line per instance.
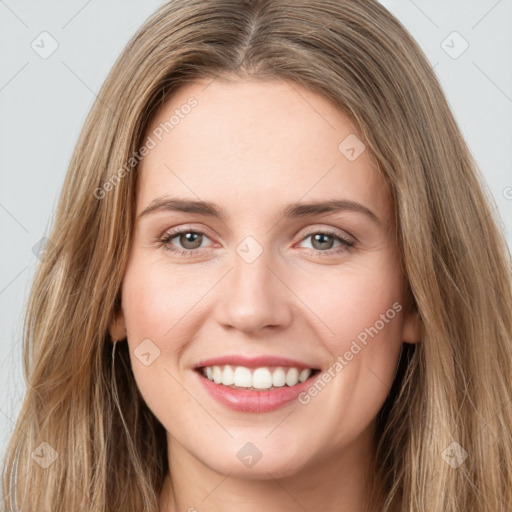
(266, 277)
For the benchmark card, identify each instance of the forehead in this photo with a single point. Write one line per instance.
(272, 141)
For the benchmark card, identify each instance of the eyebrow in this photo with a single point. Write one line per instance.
(294, 210)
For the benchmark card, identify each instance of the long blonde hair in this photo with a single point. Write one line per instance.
(453, 387)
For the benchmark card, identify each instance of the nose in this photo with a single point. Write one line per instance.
(254, 296)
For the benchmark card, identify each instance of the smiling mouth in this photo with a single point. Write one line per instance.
(266, 378)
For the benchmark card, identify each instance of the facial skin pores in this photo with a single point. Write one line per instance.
(246, 299)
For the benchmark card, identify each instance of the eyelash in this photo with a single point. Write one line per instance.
(164, 242)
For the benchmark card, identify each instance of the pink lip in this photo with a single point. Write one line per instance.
(254, 401)
(252, 362)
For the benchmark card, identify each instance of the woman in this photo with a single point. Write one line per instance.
(275, 281)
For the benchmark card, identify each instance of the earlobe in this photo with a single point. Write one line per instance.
(411, 332)
(117, 328)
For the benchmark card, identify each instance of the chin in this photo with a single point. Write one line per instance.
(248, 462)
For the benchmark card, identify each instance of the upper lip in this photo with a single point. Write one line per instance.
(253, 362)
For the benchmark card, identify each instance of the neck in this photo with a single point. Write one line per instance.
(336, 481)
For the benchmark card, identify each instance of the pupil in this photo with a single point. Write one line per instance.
(318, 238)
(190, 239)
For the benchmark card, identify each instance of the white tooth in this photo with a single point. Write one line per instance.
(262, 378)
(242, 377)
(279, 378)
(292, 377)
(304, 374)
(217, 374)
(228, 376)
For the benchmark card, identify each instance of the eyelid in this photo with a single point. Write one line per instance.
(330, 229)
(185, 228)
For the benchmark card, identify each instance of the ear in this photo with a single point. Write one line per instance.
(412, 328)
(117, 328)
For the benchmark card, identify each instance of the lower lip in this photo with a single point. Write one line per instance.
(254, 401)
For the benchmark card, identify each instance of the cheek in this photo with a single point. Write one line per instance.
(156, 300)
(351, 299)
(359, 314)
(364, 336)
(156, 308)
(365, 348)
(157, 316)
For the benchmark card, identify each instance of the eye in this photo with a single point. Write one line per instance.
(323, 242)
(189, 239)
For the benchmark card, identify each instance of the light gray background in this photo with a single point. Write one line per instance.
(44, 102)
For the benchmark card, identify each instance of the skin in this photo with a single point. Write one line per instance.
(254, 147)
